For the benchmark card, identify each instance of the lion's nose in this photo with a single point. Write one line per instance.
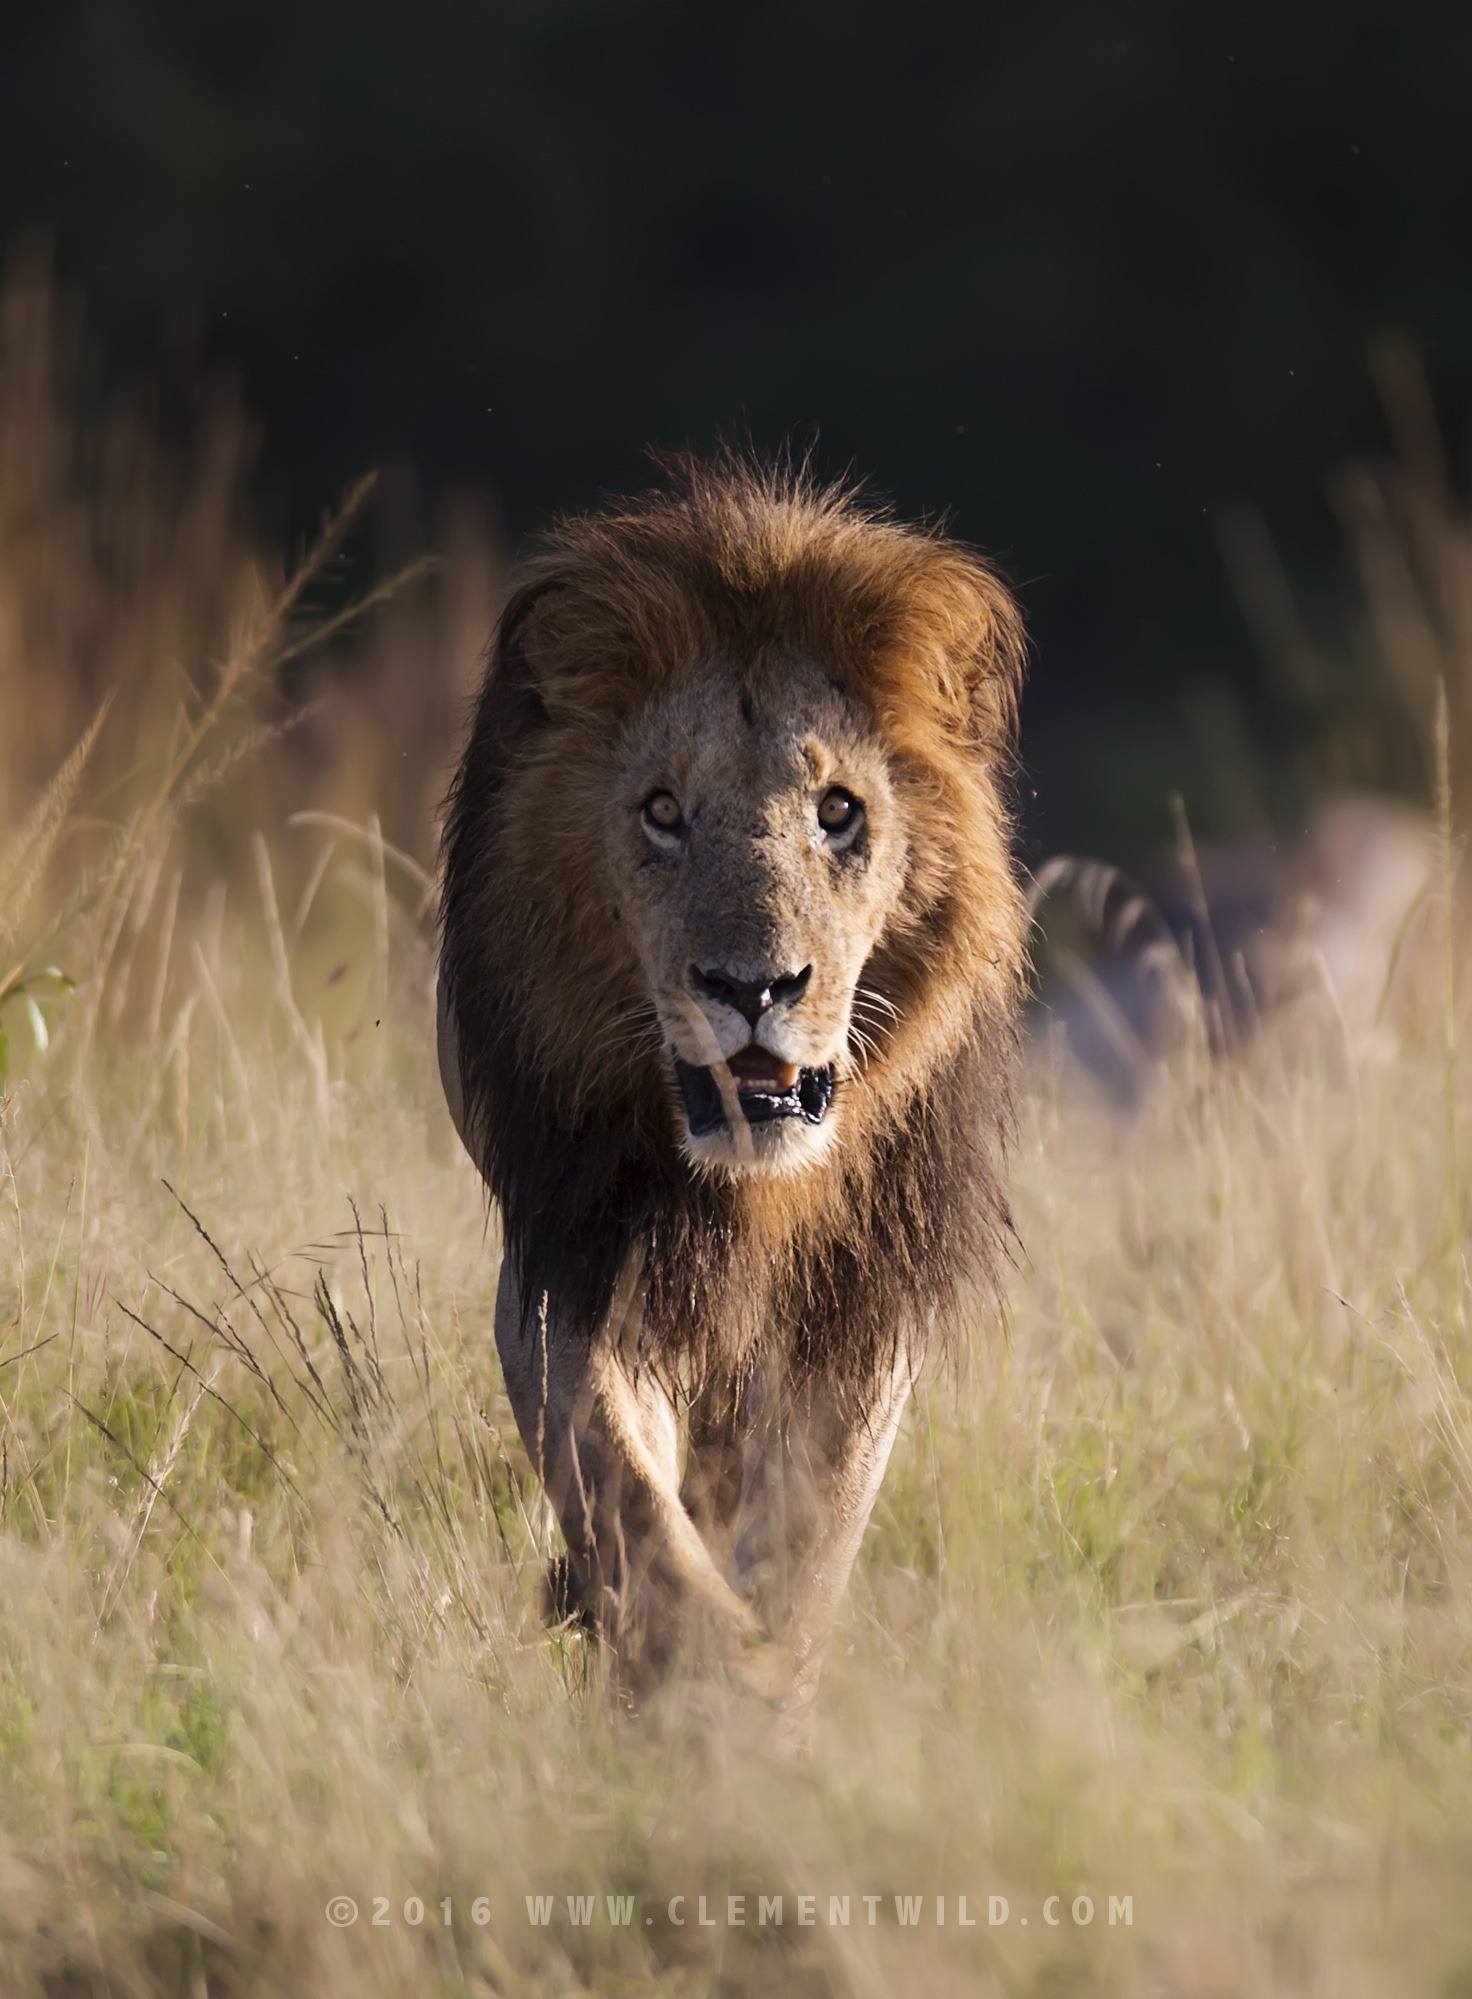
(751, 998)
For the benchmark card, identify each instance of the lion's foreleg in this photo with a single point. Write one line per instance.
(717, 1422)
(816, 1459)
(604, 1442)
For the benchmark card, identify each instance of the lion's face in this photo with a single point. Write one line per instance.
(757, 853)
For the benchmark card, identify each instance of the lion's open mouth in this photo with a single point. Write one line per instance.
(767, 1088)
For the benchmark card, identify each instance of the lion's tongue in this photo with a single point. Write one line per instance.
(757, 1069)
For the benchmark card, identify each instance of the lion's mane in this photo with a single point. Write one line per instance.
(566, 1103)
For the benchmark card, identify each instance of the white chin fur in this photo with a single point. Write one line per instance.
(788, 1145)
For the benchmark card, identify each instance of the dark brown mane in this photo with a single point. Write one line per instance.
(573, 1124)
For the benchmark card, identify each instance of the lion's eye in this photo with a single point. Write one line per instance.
(838, 810)
(662, 811)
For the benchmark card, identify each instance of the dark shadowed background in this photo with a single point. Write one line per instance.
(1090, 279)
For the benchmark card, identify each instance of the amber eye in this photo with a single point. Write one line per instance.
(662, 812)
(838, 810)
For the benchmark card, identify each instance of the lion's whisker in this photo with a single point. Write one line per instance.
(878, 1026)
(867, 1046)
(614, 1032)
(870, 997)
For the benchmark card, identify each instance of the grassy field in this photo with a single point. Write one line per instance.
(1166, 1599)
(1166, 1612)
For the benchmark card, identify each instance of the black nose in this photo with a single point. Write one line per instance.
(751, 998)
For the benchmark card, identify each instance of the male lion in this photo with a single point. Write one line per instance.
(731, 964)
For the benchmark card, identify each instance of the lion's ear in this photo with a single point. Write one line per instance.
(997, 658)
(512, 706)
(521, 646)
(961, 648)
(551, 650)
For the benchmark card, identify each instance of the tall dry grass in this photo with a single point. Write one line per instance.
(1168, 1600)
(1363, 690)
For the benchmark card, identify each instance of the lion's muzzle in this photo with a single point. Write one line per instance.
(755, 1084)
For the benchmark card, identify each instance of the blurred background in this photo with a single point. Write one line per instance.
(1169, 309)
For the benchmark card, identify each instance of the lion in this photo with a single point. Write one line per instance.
(732, 955)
